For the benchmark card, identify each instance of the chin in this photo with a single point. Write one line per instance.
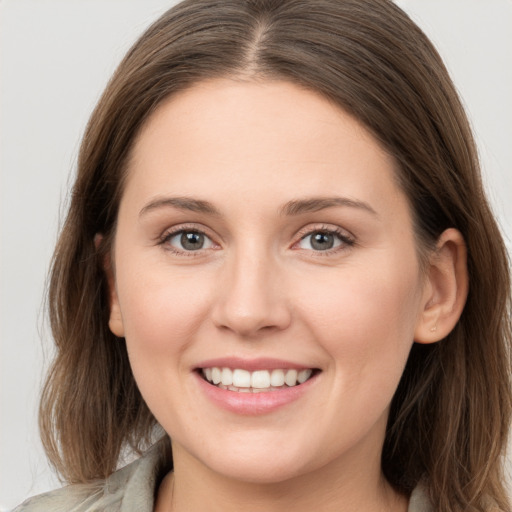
(256, 472)
(263, 464)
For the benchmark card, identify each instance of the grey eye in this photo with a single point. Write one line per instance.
(320, 241)
(190, 241)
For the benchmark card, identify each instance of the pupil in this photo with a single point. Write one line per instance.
(322, 241)
(192, 241)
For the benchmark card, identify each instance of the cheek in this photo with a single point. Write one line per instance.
(161, 316)
(365, 317)
(161, 311)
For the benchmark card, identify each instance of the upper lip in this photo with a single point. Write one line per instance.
(261, 363)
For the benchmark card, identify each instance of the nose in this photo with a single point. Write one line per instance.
(251, 298)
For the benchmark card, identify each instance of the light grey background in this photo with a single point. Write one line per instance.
(55, 59)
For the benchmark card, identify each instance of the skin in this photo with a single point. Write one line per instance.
(258, 288)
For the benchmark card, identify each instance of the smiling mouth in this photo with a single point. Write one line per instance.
(259, 381)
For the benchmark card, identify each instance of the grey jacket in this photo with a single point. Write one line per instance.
(132, 489)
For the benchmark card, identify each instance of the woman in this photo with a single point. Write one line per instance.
(279, 251)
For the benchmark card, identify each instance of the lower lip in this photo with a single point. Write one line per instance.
(252, 404)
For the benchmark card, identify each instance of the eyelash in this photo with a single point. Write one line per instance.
(169, 235)
(346, 240)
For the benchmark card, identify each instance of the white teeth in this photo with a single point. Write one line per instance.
(227, 377)
(241, 378)
(277, 378)
(216, 375)
(261, 380)
(304, 375)
(291, 377)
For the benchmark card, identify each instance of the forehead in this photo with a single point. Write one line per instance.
(256, 138)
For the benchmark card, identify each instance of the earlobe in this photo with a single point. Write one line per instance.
(115, 322)
(446, 288)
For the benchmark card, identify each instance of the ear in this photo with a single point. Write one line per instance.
(115, 322)
(446, 288)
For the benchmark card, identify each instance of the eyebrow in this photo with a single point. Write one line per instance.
(181, 203)
(315, 204)
(291, 208)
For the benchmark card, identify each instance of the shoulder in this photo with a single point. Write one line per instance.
(419, 501)
(72, 498)
(130, 489)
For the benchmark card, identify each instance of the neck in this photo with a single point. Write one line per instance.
(336, 487)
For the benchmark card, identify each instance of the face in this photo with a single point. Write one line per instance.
(266, 281)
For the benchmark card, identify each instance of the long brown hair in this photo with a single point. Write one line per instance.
(450, 415)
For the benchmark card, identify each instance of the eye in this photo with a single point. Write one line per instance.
(187, 241)
(324, 240)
